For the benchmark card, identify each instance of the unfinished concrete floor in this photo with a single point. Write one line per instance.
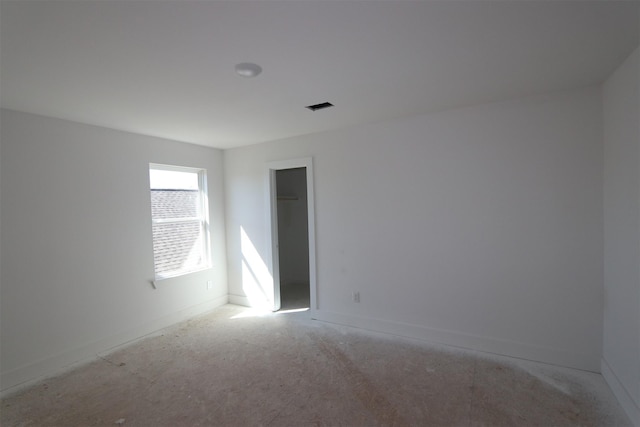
(236, 367)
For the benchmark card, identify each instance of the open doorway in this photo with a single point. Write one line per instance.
(292, 221)
(293, 238)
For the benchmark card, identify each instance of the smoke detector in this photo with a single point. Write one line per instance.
(248, 69)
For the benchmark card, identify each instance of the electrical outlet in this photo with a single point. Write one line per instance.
(355, 296)
(209, 285)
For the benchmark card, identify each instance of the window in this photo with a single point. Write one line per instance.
(180, 220)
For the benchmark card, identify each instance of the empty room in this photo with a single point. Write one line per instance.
(320, 212)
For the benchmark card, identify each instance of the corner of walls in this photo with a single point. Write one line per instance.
(621, 207)
(77, 246)
(628, 403)
(447, 226)
(240, 300)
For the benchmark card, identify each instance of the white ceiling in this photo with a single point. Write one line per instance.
(167, 68)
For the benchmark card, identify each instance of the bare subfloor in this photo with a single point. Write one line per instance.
(237, 367)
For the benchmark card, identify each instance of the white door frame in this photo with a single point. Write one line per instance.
(272, 221)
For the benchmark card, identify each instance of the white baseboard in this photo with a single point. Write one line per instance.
(246, 302)
(515, 349)
(28, 374)
(239, 300)
(631, 407)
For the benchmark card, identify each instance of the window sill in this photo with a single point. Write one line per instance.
(173, 277)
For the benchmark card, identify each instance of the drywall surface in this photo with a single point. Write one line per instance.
(77, 256)
(293, 233)
(621, 346)
(479, 227)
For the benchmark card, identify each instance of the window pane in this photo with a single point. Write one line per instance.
(167, 204)
(173, 180)
(177, 247)
(180, 236)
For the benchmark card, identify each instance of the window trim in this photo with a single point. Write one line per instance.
(204, 220)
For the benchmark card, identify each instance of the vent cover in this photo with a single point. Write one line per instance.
(317, 107)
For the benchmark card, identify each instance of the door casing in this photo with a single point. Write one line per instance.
(272, 227)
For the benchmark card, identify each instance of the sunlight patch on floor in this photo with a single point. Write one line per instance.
(261, 312)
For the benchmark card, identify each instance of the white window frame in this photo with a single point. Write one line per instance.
(203, 218)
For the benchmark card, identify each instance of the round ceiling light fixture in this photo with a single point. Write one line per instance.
(248, 69)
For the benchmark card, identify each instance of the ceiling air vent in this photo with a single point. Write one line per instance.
(317, 107)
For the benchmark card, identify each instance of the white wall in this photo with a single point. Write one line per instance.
(621, 354)
(76, 242)
(479, 227)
